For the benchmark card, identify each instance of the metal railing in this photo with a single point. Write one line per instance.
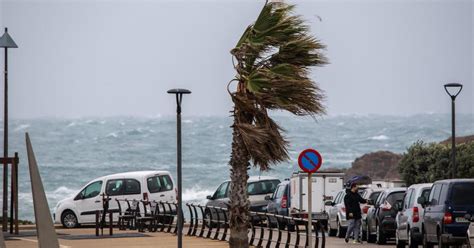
(265, 229)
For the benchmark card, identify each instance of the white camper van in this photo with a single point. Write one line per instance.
(137, 185)
(325, 185)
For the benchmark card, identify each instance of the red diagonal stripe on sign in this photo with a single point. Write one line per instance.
(315, 165)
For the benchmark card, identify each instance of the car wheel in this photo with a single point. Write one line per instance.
(69, 219)
(411, 243)
(331, 232)
(340, 230)
(398, 242)
(208, 222)
(363, 233)
(441, 244)
(380, 236)
(370, 238)
(426, 243)
(290, 227)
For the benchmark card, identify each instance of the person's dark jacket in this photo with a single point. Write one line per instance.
(352, 201)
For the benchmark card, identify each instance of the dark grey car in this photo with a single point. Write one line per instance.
(279, 203)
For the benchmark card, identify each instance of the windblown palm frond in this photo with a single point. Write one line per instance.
(272, 59)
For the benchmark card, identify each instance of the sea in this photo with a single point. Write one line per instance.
(72, 152)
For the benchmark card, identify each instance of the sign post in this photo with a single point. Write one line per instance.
(310, 161)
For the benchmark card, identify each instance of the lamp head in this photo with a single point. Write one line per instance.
(453, 89)
(6, 41)
(179, 91)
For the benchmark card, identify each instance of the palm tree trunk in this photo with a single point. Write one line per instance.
(239, 203)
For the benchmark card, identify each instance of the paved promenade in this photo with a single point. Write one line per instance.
(85, 238)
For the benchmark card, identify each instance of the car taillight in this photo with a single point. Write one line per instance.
(284, 202)
(416, 215)
(365, 209)
(145, 196)
(343, 209)
(386, 206)
(448, 218)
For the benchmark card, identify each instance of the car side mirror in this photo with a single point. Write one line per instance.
(370, 202)
(78, 197)
(209, 197)
(329, 203)
(268, 198)
(399, 205)
(422, 201)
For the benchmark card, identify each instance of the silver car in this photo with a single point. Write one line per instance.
(409, 219)
(470, 234)
(337, 223)
(257, 187)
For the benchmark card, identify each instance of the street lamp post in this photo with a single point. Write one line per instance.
(453, 90)
(6, 42)
(179, 97)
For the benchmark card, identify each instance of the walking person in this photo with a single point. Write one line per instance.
(352, 201)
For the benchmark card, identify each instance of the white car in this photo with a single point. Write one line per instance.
(137, 185)
(410, 216)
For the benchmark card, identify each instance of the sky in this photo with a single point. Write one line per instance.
(79, 58)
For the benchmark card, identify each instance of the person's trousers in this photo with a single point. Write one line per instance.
(354, 227)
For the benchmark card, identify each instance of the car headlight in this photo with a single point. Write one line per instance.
(57, 206)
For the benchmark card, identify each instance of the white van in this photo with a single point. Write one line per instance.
(137, 185)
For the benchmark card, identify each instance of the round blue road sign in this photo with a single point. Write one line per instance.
(310, 160)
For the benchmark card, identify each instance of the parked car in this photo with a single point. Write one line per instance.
(337, 222)
(370, 194)
(138, 185)
(380, 223)
(470, 233)
(257, 187)
(445, 219)
(409, 217)
(279, 203)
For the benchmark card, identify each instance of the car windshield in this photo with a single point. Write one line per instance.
(394, 197)
(462, 194)
(262, 187)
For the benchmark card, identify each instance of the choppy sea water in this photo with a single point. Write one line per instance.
(71, 152)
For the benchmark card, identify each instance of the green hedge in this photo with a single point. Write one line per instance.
(424, 162)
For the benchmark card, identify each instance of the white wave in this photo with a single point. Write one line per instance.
(379, 137)
(61, 192)
(196, 194)
(112, 135)
(222, 145)
(71, 124)
(21, 127)
(187, 121)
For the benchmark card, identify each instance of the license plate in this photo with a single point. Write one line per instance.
(462, 220)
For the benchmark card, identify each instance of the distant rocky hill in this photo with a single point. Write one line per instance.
(384, 164)
(459, 140)
(376, 165)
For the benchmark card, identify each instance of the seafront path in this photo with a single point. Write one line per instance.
(84, 238)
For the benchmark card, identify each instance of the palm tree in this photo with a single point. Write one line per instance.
(272, 60)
